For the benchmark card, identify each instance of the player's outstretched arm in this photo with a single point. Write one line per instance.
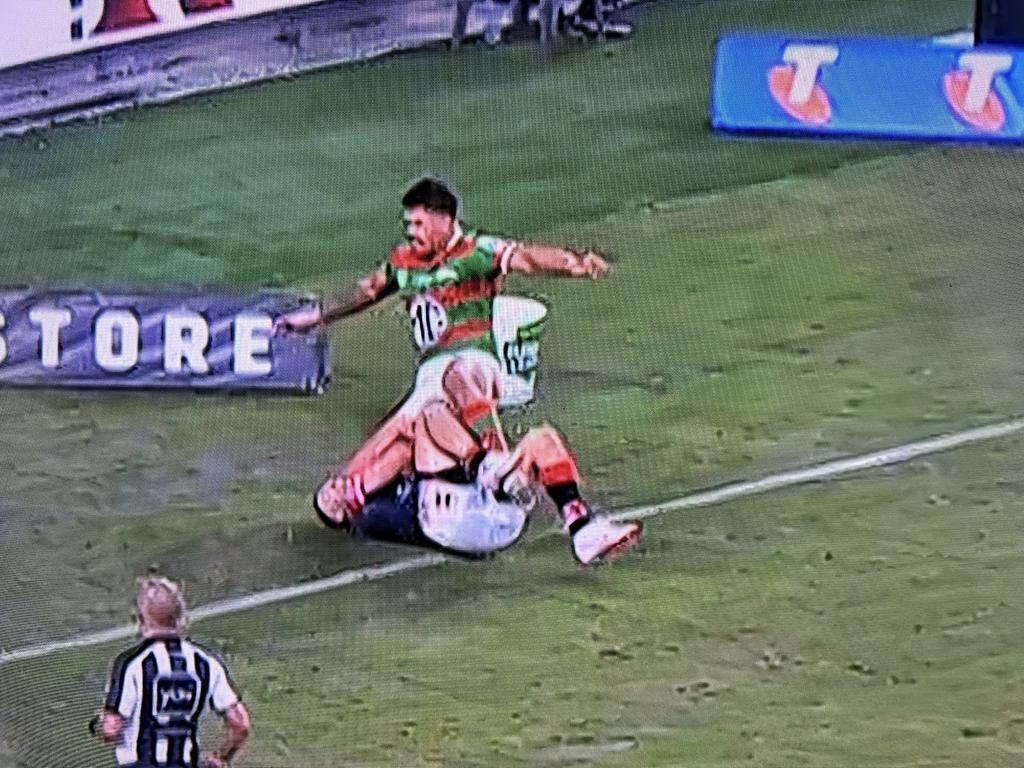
(372, 289)
(544, 259)
(237, 725)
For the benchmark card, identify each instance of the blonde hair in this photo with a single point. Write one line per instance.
(160, 603)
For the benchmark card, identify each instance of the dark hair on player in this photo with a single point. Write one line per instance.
(432, 194)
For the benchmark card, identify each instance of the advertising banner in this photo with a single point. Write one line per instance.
(42, 29)
(907, 89)
(113, 341)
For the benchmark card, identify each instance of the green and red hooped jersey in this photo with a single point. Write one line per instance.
(451, 298)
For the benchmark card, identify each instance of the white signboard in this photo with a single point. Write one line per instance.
(31, 30)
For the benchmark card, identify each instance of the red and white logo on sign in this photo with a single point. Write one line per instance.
(970, 89)
(124, 14)
(795, 87)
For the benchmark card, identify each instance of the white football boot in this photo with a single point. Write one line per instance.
(602, 540)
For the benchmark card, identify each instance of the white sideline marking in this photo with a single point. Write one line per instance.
(895, 455)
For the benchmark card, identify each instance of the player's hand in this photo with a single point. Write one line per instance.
(298, 321)
(341, 495)
(108, 726)
(590, 265)
(355, 493)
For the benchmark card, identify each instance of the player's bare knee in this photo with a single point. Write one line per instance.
(449, 433)
(547, 432)
(544, 441)
(434, 449)
(433, 411)
(470, 388)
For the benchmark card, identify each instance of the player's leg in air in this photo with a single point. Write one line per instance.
(542, 458)
(434, 479)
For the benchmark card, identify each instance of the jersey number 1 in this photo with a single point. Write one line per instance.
(429, 321)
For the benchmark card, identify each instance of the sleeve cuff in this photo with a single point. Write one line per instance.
(226, 707)
(507, 252)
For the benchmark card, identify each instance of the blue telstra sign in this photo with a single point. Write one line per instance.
(905, 89)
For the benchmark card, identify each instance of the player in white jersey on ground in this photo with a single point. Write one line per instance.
(446, 477)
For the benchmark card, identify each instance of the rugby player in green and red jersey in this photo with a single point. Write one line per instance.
(449, 278)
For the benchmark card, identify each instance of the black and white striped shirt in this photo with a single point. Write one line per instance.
(161, 687)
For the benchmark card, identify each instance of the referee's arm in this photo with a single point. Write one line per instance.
(224, 700)
(122, 698)
(236, 731)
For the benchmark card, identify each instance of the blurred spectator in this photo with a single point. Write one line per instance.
(494, 14)
(592, 19)
(575, 18)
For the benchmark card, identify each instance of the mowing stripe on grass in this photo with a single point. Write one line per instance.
(889, 456)
(234, 605)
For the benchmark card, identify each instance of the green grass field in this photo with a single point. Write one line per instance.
(772, 303)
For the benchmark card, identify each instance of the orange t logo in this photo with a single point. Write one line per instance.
(795, 87)
(125, 14)
(970, 90)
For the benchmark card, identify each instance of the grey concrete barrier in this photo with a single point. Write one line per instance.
(224, 54)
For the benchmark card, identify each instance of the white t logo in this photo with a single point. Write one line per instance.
(49, 320)
(808, 60)
(983, 68)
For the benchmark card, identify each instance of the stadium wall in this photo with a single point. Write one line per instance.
(149, 63)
